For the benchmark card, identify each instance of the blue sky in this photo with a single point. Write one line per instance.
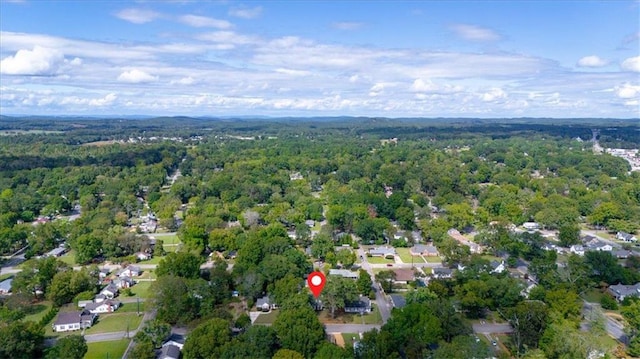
(321, 58)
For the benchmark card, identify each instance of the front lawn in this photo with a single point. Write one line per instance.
(433, 259)
(350, 318)
(103, 350)
(349, 338)
(267, 318)
(115, 322)
(37, 311)
(592, 295)
(141, 289)
(131, 308)
(69, 258)
(406, 257)
(380, 260)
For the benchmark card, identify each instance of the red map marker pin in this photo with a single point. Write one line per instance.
(316, 281)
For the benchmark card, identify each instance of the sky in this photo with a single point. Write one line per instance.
(486, 59)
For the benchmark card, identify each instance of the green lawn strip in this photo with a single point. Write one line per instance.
(69, 258)
(349, 339)
(6, 276)
(380, 260)
(131, 308)
(103, 350)
(433, 259)
(406, 257)
(169, 239)
(141, 289)
(267, 318)
(491, 258)
(38, 311)
(592, 295)
(115, 322)
(427, 270)
(371, 318)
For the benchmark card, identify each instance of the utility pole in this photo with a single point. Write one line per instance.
(138, 306)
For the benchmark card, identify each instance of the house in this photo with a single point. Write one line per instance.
(621, 291)
(265, 304)
(100, 298)
(473, 247)
(176, 340)
(310, 223)
(56, 252)
(170, 352)
(382, 252)
(626, 237)
(531, 226)
(344, 273)
(404, 276)
(83, 303)
(124, 282)
(130, 271)
(142, 256)
(110, 291)
(398, 301)
(108, 306)
(68, 321)
(424, 250)
(5, 286)
(361, 305)
(103, 273)
(622, 254)
(497, 267)
(577, 249)
(442, 272)
(599, 246)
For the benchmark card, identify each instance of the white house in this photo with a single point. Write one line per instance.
(577, 249)
(142, 256)
(626, 237)
(382, 252)
(5, 286)
(124, 282)
(68, 321)
(497, 267)
(531, 226)
(111, 291)
(265, 304)
(345, 273)
(108, 306)
(130, 271)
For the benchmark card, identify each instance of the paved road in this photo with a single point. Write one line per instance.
(614, 329)
(383, 306)
(491, 328)
(350, 328)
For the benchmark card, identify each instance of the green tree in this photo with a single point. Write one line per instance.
(21, 340)
(529, 320)
(386, 278)
(569, 235)
(346, 257)
(364, 282)
(208, 339)
(181, 264)
(299, 330)
(338, 291)
(287, 354)
(143, 349)
(332, 351)
(321, 246)
(72, 347)
(564, 302)
(462, 346)
(154, 331)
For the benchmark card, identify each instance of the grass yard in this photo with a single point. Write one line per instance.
(115, 322)
(131, 308)
(380, 260)
(169, 239)
(349, 339)
(433, 259)
(350, 318)
(406, 257)
(371, 318)
(6, 276)
(69, 258)
(141, 289)
(148, 273)
(156, 260)
(491, 258)
(593, 295)
(38, 311)
(267, 318)
(103, 350)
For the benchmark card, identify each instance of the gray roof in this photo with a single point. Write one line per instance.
(170, 351)
(398, 300)
(263, 301)
(344, 273)
(93, 306)
(362, 302)
(65, 318)
(621, 290)
(442, 270)
(56, 252)
(421, 248)
(383, 251)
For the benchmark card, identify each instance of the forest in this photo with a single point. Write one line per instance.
(249, 189)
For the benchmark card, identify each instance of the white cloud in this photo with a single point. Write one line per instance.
(475, 33)
(136, 76)
(631, 64)
(246, 12)
(137, 16)
(347, 25)
(203, 21)
(39, 61)
(227, 37)
(184, 81)
(592, 61)
(105, 101)
(292, 72)
(494, 94)
(627, 91)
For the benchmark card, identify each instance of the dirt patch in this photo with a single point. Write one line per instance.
(338, 339)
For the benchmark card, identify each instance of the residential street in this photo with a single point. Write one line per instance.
(614, 329)
(383, 306)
